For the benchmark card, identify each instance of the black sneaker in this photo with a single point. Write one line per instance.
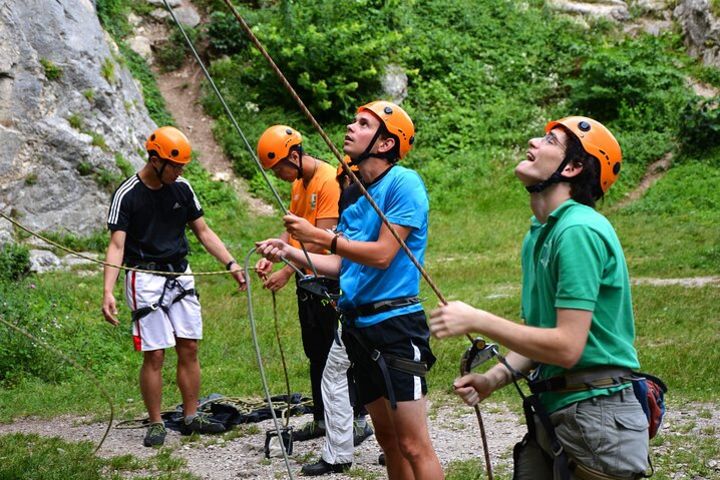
(322, 468)
(361, 433)
(381, 459)
(309, 431)
(201, 423)
(155, 435)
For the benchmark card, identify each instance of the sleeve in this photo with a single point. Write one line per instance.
(195, 211)
(328, 200)
(407, 201)
(119, 212)
(580, 256)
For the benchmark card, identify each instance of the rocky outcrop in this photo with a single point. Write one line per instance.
(71, 116)
(701, 30)
(616, 10)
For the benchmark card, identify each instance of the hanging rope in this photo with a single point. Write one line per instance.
(236, 125)
(282, 352)
(76, 364)
(258, 357)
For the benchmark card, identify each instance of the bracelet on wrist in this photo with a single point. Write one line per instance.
(333, 243)
(229, 264)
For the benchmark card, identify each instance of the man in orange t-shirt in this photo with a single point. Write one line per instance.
(315, 197)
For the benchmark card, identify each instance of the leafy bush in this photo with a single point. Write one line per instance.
(172, 53)
(52, 71)
(333, 60)
(700, 126)
(14, 262)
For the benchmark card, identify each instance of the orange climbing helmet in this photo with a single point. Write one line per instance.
(397, 124)
(341, 171)
(596, 140)
(169, 144)
(276, 143)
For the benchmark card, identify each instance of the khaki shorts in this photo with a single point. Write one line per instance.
(158, 329)
(607, 434)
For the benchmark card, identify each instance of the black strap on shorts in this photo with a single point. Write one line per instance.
(177, 267)
(170, 282)
(378, 307)
(385, 361)
(582, 380)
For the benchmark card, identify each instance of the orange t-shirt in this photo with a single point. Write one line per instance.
(319, 200)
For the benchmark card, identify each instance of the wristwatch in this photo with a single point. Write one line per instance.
(229, 265)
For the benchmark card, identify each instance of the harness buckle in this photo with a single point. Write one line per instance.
(556, 448)
(375, 355)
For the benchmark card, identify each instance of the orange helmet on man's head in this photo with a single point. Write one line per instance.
(397, 124)
(276, 143)
(596, 140)
(171, 144)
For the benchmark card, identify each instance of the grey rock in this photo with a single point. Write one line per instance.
(42, 261)
(188, 16)
(395, 83)
(701, 29)
(616, 10)
(41, 154)
(141, 45)
(159, 14)
(172, 3)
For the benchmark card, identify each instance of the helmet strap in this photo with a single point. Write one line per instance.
(556, 177)
(159, 171)
(367, 154)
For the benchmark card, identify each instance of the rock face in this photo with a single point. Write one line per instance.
(70, 114)
(616, 10)
(701, 29)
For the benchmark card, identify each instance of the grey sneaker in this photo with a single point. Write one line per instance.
(309, 431)
(155, 435)
(361, 432)
(201, 423)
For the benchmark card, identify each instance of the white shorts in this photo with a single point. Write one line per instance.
(158, 329)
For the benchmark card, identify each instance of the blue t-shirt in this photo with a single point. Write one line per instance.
(401, 195)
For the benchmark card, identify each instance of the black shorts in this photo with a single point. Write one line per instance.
(405, 336)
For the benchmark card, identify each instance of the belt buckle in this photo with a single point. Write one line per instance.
(375, 355)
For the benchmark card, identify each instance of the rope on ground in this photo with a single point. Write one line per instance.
(76, 364)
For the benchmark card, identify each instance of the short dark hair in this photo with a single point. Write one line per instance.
(585, 187)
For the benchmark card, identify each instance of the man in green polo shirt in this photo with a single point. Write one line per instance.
(578, 330)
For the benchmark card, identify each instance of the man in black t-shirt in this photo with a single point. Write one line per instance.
(147, 219)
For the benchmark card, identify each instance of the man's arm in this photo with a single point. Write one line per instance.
(216, 248)
(561, 346)
(115, 252)
(474, 388)
(377, 254)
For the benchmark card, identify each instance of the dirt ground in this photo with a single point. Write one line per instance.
(453, 430)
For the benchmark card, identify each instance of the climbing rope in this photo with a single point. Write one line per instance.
(354, 179)
(76, 364)
(282, 352)
(235, 125)
(258, 357)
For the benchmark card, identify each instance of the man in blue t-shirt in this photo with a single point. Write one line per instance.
(384, 325)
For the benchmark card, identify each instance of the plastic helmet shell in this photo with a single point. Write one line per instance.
(170, 144)
(341, 170)
(275, 144)
(596, 140)
(396, 121)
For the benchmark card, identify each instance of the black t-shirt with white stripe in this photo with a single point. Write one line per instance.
(154, 220)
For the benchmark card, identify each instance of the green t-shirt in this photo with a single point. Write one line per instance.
(575, 261)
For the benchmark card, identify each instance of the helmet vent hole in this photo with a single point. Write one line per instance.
(616, 168)
(412, 140)
(387, 110)
(152, 137)
(584, 126)
(174, 153)
(288, 131)
(271, 155)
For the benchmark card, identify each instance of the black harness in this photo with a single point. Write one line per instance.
(171, 282)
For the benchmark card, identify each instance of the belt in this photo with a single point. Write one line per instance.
(379, 307)
(177, 267)
(582, 380)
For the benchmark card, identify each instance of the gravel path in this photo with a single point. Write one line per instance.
(453, 429)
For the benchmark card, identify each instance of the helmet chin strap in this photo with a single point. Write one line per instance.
(556, 177)
(160, 171)
(367, 154)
